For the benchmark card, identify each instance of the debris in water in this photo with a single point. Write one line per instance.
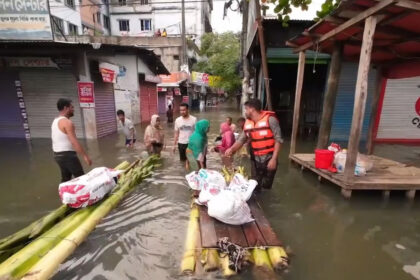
(399, 246)
(413, 270)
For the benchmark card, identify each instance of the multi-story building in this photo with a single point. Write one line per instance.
(95, 17)
(146, 18)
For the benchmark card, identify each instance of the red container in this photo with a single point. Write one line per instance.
(323, 159)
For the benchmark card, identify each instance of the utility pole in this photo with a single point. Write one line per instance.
(184, 59)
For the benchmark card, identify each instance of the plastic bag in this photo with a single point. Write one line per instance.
(208, 182)
(363, 163)
(242, 186)
(340, 160)
(229, 207)
(89, 188)
(334, 147)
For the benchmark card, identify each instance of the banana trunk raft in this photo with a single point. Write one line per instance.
(36, 251)
(202, 254)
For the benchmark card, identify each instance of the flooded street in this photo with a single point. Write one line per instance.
(330, 237)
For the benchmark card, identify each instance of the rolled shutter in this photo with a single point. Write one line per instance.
(41, 90)
(106, 118)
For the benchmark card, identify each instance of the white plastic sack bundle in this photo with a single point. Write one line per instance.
(242, 186)
(363, 164)
(208, 182)
(89, 188)
(229, 207)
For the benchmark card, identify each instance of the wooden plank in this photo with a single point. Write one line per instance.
(360, 98)
(349, 23)
(253, 235)
(264, 63)
(373, 114)
(237, 235)
(330, 96)
(221, 230)
(207, 229)
(263, 224)
(408, 5)
(298, 95)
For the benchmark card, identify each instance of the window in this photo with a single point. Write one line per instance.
(98, 17)
(107, 23)
(145, 24)
(144, 2)
(72, 29)
(69, 3)
(57, 25)
(122, 2)
(176, 57)
(93, 17)
(124, 25)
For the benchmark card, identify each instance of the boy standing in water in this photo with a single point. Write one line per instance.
(184, 127)
(127, 128)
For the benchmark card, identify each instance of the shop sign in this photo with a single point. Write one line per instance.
(163, 89)
(31, 62)
(185, 99)
(152, 79)
(177, 91)
(109, 72)
(86, 94)
(25, 20)
(416, 120)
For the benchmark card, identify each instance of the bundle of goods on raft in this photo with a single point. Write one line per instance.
(334, 158)
(227, 228)
(35, 252)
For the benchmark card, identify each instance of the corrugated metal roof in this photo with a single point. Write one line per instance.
(288, 53)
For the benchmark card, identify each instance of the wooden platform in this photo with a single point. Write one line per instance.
(386, 175)
(255, 234)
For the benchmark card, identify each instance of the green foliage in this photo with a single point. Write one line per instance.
(222, 53)
(284, 7)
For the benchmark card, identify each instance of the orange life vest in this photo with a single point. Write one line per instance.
(260, 134)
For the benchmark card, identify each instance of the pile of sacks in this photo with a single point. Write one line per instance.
(226, 203)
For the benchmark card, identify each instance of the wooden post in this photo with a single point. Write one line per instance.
(264, 63)
(360, 98)
(374, 112)
(298, 95)
(330, 96)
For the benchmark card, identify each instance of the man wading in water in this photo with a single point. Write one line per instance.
(184, 127)
(262, 129)
(65, 144)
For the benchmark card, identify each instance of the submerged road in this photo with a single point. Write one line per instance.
(331, 238)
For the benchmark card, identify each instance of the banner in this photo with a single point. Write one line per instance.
(109, 72)
(204, 79)
(25, 20)
(86, 94)
(186, 99)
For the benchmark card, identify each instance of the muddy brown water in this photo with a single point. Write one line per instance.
(331, 238)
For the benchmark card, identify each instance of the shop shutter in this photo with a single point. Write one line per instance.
(343, 111)
(399, 110)
(41, 90)
(11, 124)
(106, 117)
(162, 102)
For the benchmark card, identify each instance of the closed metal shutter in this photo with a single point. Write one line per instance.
(11, 123)
(399, 111)
(106, 117)
(41, 90)
(343, 111)
(148, 101)
(162, 102)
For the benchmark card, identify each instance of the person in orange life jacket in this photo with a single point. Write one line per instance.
(262, 130)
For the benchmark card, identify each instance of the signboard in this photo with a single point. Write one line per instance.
(163, 89)
(86, 94)
(186, 99)
(25, 20)
(177, 91)
(109, 72)
(31, 62)
(204, 79)
(22, 106)
(152, 79)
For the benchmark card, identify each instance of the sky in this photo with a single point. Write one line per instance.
(233, 20)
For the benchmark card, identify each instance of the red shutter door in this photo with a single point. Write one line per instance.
(148, 101)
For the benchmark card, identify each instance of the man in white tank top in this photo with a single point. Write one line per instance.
(64, 142)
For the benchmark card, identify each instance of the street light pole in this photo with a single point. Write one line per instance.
(184, 39)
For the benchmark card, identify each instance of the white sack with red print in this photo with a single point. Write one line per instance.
(89, 188)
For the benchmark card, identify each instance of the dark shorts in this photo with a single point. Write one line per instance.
(182, 151)
(261, 174)
(127, 141)
(69, 164)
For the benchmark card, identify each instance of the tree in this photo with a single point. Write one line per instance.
(284, 7)
(221, 56)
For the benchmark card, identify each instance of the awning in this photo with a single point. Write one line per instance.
(172, 84)
(286, 55)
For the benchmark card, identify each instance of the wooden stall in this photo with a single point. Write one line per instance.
(384, 34)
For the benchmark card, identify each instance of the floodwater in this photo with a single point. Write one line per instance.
(330, 237)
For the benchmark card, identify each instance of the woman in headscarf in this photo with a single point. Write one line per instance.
(154, 136)
(197, 146)
(228, 139)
